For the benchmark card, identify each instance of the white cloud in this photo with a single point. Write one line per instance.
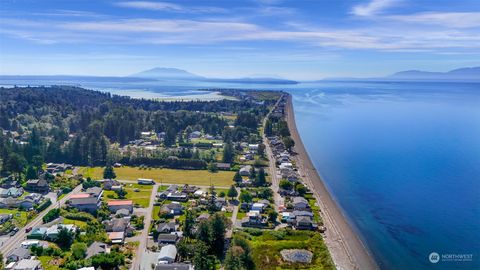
(374, 7)
(446, 19)
(202, 32)
(167, 6)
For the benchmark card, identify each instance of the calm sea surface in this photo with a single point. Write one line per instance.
(401, 159)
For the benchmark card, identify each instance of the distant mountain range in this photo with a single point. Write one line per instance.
(460, 74)
(151, 75)
(160, 73)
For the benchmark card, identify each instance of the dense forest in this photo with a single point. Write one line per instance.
(78, 126)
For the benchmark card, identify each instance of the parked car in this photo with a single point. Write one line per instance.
(27, 230)
(13, 231)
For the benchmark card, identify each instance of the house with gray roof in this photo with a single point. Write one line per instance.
(18, 254)
(167, 254)
(96, 248)
(28, 264)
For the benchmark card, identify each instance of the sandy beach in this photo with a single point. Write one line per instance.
(346, 249)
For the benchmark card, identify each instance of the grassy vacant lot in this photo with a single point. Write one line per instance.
(78, 223)
(20, 217)
(139, 194)
(266, 246)
(167, 176)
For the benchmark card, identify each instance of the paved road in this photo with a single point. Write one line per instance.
(142, 247)
(234, 215)
(20, 236)
(279, 200)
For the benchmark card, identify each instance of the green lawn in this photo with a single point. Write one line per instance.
(20, 217)
(267, 246)
(78, 223)
(155, 211)
(48, 263)
(140, 197)
(166, 176)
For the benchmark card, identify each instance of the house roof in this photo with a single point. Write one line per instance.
(20, 252)
(94, 190)
(299, 200)
(83, 201)
(116, 235)
(173, 266)
(80, 196)
(167, 237)
(119, 202)
(27, 264)
(96, 248)
(166, 225)
(168, 251)
(122, 212)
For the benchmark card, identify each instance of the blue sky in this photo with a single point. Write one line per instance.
(309, 39)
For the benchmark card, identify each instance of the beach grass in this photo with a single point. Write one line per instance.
(166, 176)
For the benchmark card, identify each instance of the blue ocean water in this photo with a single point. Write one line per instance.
(401, 159)
(403, 162)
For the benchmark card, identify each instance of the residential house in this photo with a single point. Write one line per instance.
(108, 184)
(167, 254)
(223, 166)
(28, 264)
(95, 192)
(13, 192)
(36, 198)
(5, 217)
(8, 183)
(253, 219)
(116, 237)
(258, 207)
(97, 248)
(37, 233)
(300, 203)
(6, 203)
(52, 231)
(253, 147)
(195, 135)
(174, 266)
(117, 224)
(37, 185)
(18, 254)
(122, 213)
(115, 205)
(85, 202)
(189, 189)
(166, 227)
(177, 196)
(172, 209)
(304, 223)
(245, 170)
(164, 239)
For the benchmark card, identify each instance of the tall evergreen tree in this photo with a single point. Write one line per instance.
(109, 173)
(228, 153)
(260, 179)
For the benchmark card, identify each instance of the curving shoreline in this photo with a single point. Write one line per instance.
(346, 249)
